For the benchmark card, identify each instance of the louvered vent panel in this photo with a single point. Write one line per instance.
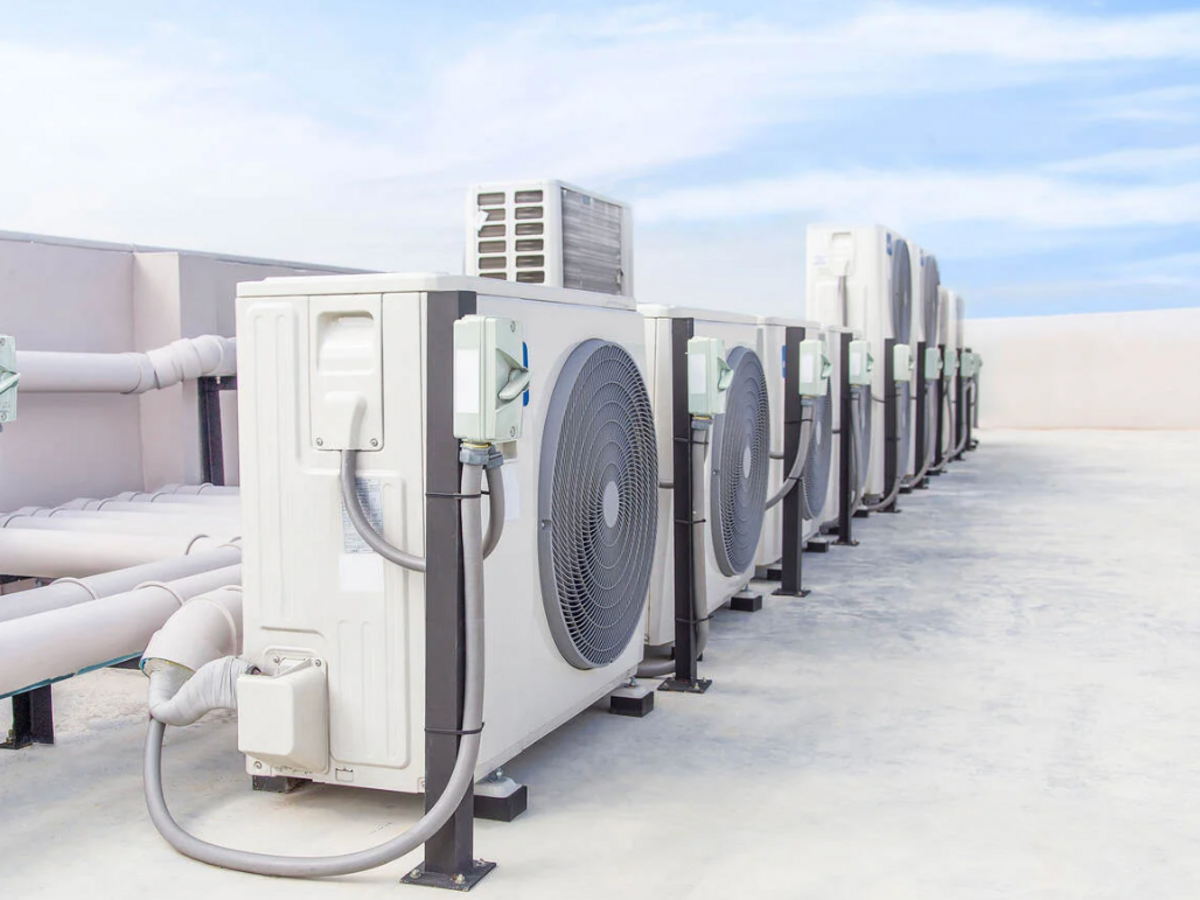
(591, 243)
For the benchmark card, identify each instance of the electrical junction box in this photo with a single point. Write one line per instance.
(490, 379)
(283, 718)
(862, 363)
(950, 365)
(902, 362)
(8, 379)
(933, 363)
(709, 376)
(971, 364)
(815, 368)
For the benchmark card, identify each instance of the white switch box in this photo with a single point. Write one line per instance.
(709, 376)
(861, 362)
(933, 363)
(902, 363)
(490, 379)
(9, 379)
(815, 368)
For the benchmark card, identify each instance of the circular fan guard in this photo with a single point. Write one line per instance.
(597, 504)
(739, 464)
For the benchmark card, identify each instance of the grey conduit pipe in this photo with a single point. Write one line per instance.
(461, 777)
(793, 477)
(660, 668)
(365, 530)
(897, 484)
(961, 444)
(495, 483)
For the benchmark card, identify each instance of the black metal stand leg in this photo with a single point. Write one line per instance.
(845, 448)
(791, 567)
(33, 719)
(687, 678)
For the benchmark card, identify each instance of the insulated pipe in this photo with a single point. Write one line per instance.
(201, 517)
(461, 776)
(126, 373)
(495, 483)
(164, 525)
(52, 554)
(71, 591)
(206, 489)
(64, 642)
(205, 628)
(181, 509)
(216, 500)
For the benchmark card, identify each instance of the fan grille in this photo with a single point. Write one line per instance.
(597, 504)
(820, 457)
(739, 464)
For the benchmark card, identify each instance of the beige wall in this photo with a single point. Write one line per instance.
(70, 295)
(1104, 370)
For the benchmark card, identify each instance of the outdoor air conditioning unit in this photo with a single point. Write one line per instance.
(393, 367)
(815, 369)
(548, 232)
(736, 467)
(860, 277)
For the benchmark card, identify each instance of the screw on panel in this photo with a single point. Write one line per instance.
(374, 442)
(320, 443)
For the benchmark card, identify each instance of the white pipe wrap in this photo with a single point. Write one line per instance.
(64, 642)
(71, 591)
(203, 629)
(56, 554)
(161, 525)
(126, 373)
(177, 697)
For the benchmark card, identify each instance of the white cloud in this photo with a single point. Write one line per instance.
(195, 150)
(919, 197)
(1174, 105)
(1141, 161)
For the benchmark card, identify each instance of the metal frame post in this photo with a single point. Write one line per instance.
(960, 410)
(212, 441)
(449, 855)
(921, 419)
(791, 565)
(845, 430)
(891, 425)
(939, 454)
(33, 719)
(687, 658)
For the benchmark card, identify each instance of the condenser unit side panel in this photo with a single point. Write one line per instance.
(772, 340)
(316, 591)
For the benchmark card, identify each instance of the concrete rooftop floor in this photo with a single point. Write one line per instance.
(995, 695)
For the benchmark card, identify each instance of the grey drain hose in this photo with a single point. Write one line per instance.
(659, 668)
(461, 777)
(793, 477)
(365, 530)
(495, 483)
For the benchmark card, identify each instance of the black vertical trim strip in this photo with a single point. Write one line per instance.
(451, 850)
(919, 448)
(791, 564)
(686, 666)
(941, 407)
(845, 430)
(891, 424)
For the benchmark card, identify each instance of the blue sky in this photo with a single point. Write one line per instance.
(1049, 154)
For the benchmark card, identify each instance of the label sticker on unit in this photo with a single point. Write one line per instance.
(370, 499)
(855, 363)
(697, 374)
(512, 492)
(466, 381)
(808, 368)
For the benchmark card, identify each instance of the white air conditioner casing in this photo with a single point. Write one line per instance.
(926, 319)
(877, 305)
(772, 335)
(552, 233)
(741, 337)
(312, 593)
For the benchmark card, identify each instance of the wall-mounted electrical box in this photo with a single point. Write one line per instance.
(902, 362)
(862, 363)
(709, 376)
(284, 718)
(490, 379)
(9, 378)
(933, 363)
(815, 368)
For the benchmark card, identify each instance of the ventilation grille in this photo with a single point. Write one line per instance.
(511, 236)
(739, 465)
(901, 293)
(817, 466)
(591, 243)
(929, 301)
(597, 504)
